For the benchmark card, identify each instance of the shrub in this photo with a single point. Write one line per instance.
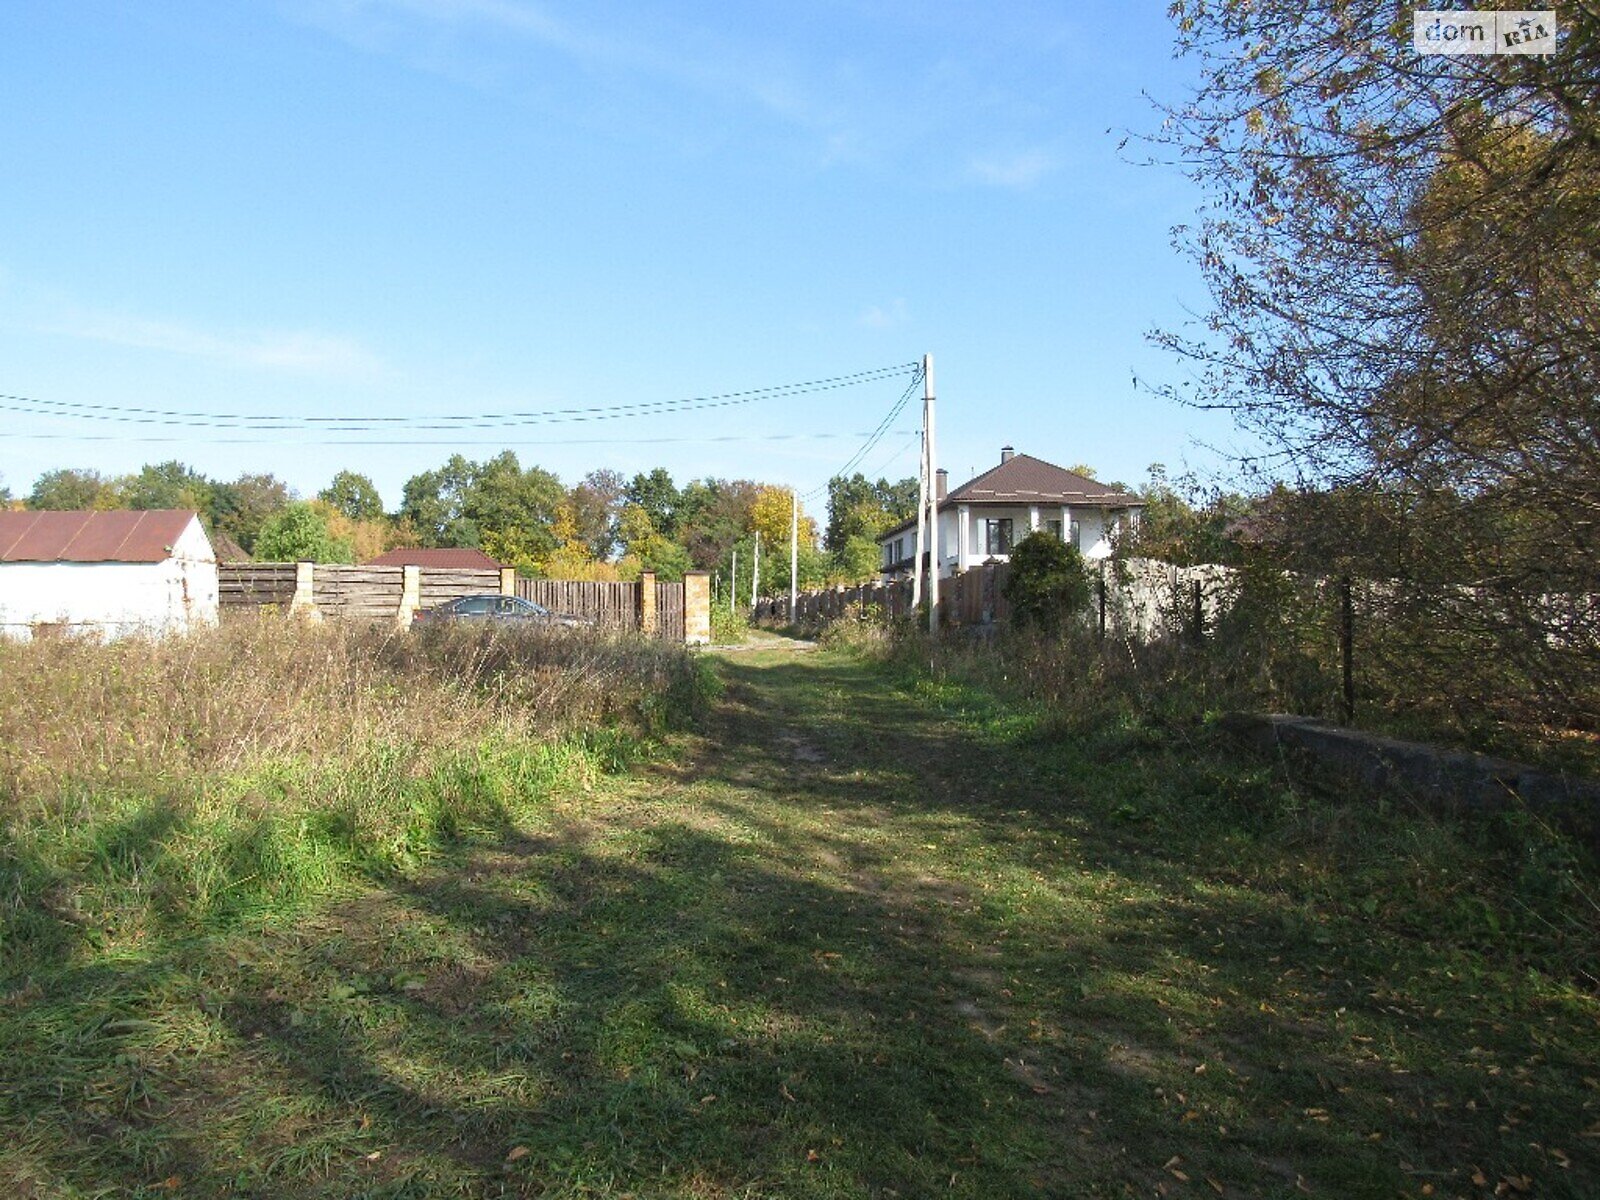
(729, 628)
(1047, 583)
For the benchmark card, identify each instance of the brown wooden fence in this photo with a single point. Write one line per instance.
(358, 592)
(613, 605)
(439, 586)
(976, 597)
(255, 584)
(346, 591)
(377, 593)
(610, 604)
(669, 611)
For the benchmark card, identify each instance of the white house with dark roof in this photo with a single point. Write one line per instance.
(105, 574)
(982, 519)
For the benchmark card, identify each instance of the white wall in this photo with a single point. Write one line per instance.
(1094, 531)
(114, 599)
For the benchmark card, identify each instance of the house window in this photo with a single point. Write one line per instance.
(997, 536)
(1054, 529)
(899, 549)
(1077, 536)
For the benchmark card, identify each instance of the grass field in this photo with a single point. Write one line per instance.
(857, 934)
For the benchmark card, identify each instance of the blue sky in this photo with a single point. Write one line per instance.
(439, 208)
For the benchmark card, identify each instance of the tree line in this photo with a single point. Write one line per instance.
(604, 526)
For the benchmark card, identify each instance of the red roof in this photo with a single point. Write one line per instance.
(453, 558)
(89, 537)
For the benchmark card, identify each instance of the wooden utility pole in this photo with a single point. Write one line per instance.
(933, 494)
(794, 555)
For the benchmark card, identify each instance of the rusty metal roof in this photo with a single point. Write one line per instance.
(453, 558)
(92, 537)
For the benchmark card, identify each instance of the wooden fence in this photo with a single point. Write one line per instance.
(669, 611)
(339, 590)
(610, 604)
(255, 584)
(613, 605)
(379, 594)
(441, 585)
(358, 592)
(973, 598)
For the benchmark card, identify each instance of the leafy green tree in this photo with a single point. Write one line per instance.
(170, 484)
(715, 515)
(504, 497)
(859, 508)
(435, 504)
(69, 488)
(649, 548)
(299, 533)
(465, 503)
(240, 509)
(659, 497)
(1048, 583)
(354, 495)
(857, 560)
(1186, 524)
(595, 502)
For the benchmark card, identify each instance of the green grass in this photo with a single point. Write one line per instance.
(862, 934)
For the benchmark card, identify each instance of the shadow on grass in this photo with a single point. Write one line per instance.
(840, 947)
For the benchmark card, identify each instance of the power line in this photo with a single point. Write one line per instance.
(595, 441)
(873, 438)
(62, 409)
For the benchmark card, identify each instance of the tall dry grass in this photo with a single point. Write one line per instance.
(151, 789)
(230, 700)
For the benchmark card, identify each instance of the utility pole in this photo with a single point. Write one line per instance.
(933, 494)
(922, 515)
(794, 555)
(755, 572)
(733, 582)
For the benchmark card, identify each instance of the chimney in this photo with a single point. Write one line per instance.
(1005, 454)
(944, 483)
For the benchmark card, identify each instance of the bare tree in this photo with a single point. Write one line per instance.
(1403, 254)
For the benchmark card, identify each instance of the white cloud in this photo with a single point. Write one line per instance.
(1019, 170)
(301, 352)
(877, 317)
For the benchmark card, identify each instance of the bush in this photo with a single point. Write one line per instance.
(1048, 582)
(729, 628)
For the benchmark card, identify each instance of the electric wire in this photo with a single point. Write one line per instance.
(873, 438)
(367, 443)
(62, 409)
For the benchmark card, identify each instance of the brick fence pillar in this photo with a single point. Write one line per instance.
(304, 603)
(696, 608)
(410, 595)
(647, 603)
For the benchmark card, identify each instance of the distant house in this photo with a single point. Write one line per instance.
(107, 574)
(982, 519)
(228, 550)
(447, 558)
